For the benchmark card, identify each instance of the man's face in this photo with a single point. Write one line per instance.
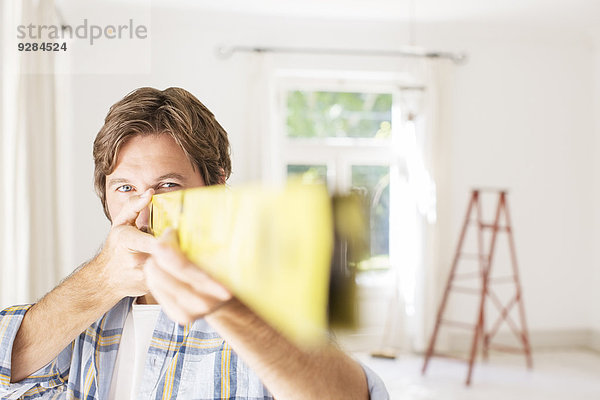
(148, 162)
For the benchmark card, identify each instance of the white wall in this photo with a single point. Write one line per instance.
(2, 85)
(518, 115)
(596, 265)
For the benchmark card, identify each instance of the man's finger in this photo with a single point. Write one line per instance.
(179, 298)
(168, 292)
(171, 260)
(138, 241)
(168, 253)
(132, 209)
(169, 237)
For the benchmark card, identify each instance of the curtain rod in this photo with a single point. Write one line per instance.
(456, 58)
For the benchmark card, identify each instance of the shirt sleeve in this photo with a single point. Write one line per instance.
(377, 390)
(47, 381)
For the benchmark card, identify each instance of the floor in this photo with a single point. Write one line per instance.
(557, 375)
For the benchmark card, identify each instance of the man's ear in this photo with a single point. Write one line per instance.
(222, 177)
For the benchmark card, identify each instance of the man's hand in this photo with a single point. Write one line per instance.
(88, 293)
(185, 292)
(126, 250)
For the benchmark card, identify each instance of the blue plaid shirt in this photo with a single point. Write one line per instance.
(189, 362)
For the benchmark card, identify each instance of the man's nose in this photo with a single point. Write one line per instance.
(142, 222)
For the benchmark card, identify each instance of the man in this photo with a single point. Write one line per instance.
(100, 333)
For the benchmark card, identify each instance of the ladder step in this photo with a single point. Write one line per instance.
(492, 226)
(506, 349)
(486, 225)
(490, 190)
(458, 324)
(466, 290)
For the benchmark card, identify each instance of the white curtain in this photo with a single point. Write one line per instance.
(259, 140)
(32, 244)
(433, 193)
(417, 195)
(440, 239)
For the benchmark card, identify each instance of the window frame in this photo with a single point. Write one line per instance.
(325, 151)
(337, 154)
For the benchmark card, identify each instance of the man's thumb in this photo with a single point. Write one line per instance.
(134, 206)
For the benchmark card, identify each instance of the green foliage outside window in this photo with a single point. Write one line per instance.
(308, 173)
(338, 114)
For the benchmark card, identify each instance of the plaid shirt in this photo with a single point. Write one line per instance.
(189, 362)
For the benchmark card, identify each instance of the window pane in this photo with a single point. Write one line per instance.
(308, 173)
(373, 182)
(338, 114)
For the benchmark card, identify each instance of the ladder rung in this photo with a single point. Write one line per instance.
(506, 349)
(492, 226)
(503, 279)
(471, 275)
(466, 290)
(490, 190)
(471, 256)
(458, 324)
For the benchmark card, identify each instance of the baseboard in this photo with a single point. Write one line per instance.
(367, 340)
(595, 340)
(539, 340)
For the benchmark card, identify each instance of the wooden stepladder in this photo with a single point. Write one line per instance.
(483, 335)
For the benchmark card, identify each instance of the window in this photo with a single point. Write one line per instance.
(341, 134)
(308, 173)
(374, 182)
(319, 114)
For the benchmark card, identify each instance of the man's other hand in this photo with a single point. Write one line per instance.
(126, 249)
(184, 291)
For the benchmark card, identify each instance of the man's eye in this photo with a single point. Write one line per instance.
(168, 185)
(125, 188)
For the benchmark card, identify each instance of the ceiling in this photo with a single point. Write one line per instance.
(575, 13)
(571, 14)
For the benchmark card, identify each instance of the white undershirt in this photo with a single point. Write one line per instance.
(131, 357)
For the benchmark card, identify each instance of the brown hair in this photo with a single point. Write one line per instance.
(173, 111)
